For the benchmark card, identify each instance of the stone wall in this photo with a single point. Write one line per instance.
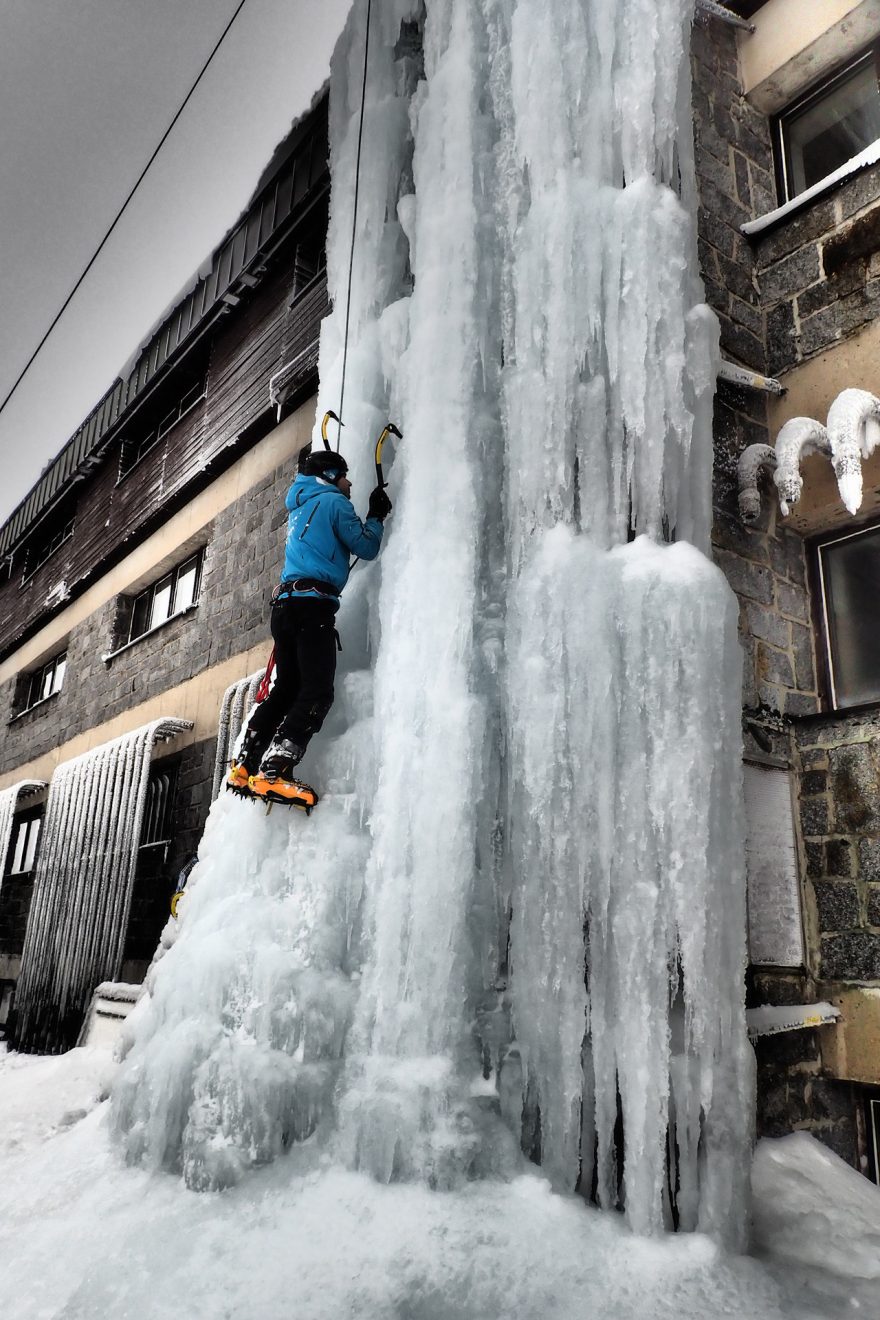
(780, 298)
(819, 272)
(154, 886)
(839, 805)
(735, 181)
(243, 548)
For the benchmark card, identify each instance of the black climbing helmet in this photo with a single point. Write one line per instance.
(325, 464)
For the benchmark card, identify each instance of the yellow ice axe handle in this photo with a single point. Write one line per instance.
(328, 417)
(389, 429)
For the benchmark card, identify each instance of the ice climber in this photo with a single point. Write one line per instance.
(323, 532)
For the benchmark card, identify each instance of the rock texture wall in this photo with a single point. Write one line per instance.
(243, 548)
(794, 292)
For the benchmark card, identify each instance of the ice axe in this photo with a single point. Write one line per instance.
(389, 429)
(328, 417)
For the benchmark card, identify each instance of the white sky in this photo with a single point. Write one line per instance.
(87, 88)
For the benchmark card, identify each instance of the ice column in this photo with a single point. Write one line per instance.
(82, 887)
(402, 1105)
(625, 832)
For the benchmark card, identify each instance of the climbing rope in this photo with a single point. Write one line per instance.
(357, 188)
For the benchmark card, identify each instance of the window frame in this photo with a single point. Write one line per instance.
(817, 92)
(828, 687)
(33, 565)
(189, 400)
(35, 679)
(174, 610)
(24, 819)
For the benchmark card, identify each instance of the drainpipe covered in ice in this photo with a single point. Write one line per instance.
(854, 431)
(851, 435)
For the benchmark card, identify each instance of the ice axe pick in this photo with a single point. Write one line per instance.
(389, 429)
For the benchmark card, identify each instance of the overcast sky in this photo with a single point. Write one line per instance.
(87, 88)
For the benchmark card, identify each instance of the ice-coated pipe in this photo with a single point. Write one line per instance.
(748, 469)
(854, 433)
(83, 882)
(237, 702)
(799, 436)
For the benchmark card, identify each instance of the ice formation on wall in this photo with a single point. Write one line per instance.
(522, 895)
(83, 883)
(851, 436)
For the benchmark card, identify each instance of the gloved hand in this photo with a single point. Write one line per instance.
(380, 505)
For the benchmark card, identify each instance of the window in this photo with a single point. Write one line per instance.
(159, 808)
(829, 125)
(54, 532)
(156, 426)
(23, 844)
(172, 594)
(849, 578)
(45, 681)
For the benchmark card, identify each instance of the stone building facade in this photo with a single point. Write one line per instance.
(796, 291)
(163, 479)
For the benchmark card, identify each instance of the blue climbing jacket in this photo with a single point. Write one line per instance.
(323, 532)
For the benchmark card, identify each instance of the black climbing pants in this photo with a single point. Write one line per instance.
(305, 664)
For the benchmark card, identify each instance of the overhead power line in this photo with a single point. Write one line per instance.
(98, 250)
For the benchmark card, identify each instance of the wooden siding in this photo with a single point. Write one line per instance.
(249, 345)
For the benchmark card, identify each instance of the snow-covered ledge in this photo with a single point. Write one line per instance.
(870, 156)
(850, 436)
(770, 1019)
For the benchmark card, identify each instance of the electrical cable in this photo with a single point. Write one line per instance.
(357, 188)
(27, 366)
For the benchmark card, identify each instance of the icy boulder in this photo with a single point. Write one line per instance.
(817, 1223)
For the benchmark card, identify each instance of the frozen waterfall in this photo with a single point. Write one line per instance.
(516, 921)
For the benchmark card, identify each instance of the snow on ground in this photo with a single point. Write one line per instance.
(84, 1237)
(817, 1224)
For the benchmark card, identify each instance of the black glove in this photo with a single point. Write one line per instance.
(380, 505)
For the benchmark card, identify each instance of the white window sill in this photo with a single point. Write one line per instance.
(27, 710)
(870, 156)
(178, 614)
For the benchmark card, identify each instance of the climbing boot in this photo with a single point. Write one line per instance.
(274, 780)
(280, 759)
(244, 764)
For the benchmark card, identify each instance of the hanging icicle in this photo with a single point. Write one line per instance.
(82, 889)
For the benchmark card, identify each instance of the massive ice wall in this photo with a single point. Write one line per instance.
(523, 892)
